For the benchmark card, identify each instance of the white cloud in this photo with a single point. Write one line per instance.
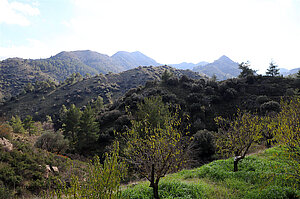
(16, 13)
(172, 31)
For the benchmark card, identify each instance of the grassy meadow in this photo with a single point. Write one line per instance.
(261, 175)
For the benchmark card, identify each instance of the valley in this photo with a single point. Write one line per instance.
(82, 115)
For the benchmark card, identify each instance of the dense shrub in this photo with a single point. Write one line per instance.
(110, 116)
(5, 131)
(172, 81)
(17, 124)
(4, 191)
(262, 99)
(101, 181)
(270, 107)
(194, 97)
(203, 146)
(52, 141)
(230, 94)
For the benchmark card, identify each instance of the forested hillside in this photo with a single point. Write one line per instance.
(16, 73)
(78, 90)
(133, 113)
(202, 100)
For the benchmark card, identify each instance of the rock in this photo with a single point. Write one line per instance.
(6, 145)
(55, 169)
(50, 169)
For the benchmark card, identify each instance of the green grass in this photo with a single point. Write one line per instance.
(260, 176)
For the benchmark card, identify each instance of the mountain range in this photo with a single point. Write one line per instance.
(286, 72)
(223, 68)
(15, 73)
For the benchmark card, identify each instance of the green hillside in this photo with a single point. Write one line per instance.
(80, 91)
(16, 73)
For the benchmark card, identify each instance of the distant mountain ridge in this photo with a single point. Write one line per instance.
(223, 68)
(188, 66)
(286, 72)
(134, 59)
(15, 73)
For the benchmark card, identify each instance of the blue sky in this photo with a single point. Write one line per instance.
(169, 31)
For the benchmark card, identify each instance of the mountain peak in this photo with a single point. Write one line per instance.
(224, 58)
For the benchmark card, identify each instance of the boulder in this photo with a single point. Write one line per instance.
(6, 145)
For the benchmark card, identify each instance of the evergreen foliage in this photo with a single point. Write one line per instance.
(273, 70)
(29, 125)
(52, 141)
(70, 119)
(246, 70)
(87, 131)
(17, 124)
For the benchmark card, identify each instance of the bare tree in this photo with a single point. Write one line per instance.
(156, 151)
(236, 137)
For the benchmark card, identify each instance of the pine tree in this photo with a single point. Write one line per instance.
(88, 129)
(298, 75)
(17, 124)
(272, 70)
(29, 125)
(246, 70)
(70, 119)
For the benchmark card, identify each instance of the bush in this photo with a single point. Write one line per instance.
(262, 99)
(52, 141)
(172, 81)
(17, 124)
(102, 180)
(5, 131)
(270, 107)
(230, 94)
(4, 191)
(203, 146)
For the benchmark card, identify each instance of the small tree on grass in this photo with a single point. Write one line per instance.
(156, 151)
(236, 137)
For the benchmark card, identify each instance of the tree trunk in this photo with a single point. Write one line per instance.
(154, 183)
(155, 191)
(235, 163)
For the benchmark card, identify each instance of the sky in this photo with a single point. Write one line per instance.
(169, 31)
